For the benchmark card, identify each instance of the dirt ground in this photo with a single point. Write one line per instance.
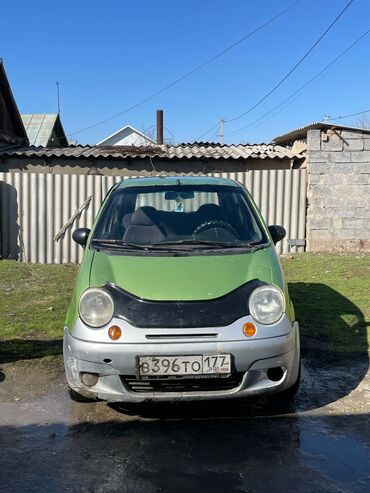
(319, 442)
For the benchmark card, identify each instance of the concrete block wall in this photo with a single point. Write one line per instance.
(338, 193)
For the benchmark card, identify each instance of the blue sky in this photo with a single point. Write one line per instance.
(109, 55)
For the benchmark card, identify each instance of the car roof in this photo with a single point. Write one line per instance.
(177, 180)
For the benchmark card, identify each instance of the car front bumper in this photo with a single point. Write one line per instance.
(115, 362)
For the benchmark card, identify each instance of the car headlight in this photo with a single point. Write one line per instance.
(96, 307)
(267, 304)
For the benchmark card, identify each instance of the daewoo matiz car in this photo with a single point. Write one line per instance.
(180, 295)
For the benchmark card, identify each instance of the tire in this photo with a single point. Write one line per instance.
(76, 397)
(291, 391)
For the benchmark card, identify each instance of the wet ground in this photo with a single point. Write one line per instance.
(320, 442)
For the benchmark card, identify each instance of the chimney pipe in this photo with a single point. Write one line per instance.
(159, 127)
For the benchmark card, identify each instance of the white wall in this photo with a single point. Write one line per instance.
(127, 137)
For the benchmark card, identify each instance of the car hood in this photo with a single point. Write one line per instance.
(194, 277)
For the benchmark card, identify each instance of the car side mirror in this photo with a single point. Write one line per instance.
(80, 236)
(277, 233)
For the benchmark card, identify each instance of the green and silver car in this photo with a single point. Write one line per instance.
(180, 295)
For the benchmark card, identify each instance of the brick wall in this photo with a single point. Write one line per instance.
(338, 215)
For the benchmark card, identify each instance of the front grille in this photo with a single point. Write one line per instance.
(181, 384)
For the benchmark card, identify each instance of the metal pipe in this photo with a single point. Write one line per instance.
(159, 127)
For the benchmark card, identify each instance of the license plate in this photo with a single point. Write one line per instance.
(209, 364)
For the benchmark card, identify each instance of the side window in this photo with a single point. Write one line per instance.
(113, 215)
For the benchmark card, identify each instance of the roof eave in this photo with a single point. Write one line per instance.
(167, 153)
(22, 138)
(302, 131)
(59, 130)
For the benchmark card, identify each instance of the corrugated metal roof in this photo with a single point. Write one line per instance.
(234, 151)
(199, 150)
(40, 127)
(301, 132)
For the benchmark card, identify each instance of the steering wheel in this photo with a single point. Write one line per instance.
(216, 224)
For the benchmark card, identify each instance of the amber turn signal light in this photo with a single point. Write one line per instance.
(114, 332)
(249, 329)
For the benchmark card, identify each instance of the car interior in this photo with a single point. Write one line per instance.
(229, 221)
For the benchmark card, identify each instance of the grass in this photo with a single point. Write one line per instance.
(33, 305)
(34, 299)
(330, 294)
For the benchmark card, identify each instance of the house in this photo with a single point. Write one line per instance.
(22, 130)
(12, 131)
(45, 130)
(337, 158)
(127, 136)
(300, 134)
(296, 139)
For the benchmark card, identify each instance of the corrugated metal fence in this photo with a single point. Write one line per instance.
(34, 207)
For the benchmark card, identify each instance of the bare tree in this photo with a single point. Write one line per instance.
(151, 132)
(362, 121)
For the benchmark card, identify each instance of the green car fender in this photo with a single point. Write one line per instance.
(82, 282)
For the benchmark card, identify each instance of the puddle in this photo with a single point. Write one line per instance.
(344, 459)
(318, 442)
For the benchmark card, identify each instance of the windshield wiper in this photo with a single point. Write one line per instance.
(119, 243)
(172, 243)
(217, 244)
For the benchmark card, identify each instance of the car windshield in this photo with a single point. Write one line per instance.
(185, 216)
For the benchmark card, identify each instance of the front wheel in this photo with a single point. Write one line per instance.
(76, 397)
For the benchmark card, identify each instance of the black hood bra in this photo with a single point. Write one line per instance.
(216, 312)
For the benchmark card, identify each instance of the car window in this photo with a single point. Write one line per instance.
(159, 201)
(159, 214)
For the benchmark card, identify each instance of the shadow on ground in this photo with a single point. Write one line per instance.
(25, 349)
(334, 354)
(332, 326)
